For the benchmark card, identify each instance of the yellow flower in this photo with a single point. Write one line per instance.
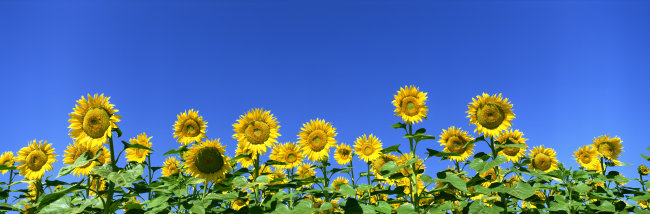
(410, 104)
(258, 129)
(343, 154)
(339, 181)
(189, 127)
(543, 159)
(35, 159)
(170, 166)
(643, 170)
(32, 190)
(139, 155)
(316, 138)
(419, 165)
(405, 182)
(76, 149)
(132, 204)
(93, 119)
(266, 171)
(491, 176)
(7, 159)
(587, 157)
(305, 171)
(490, 114)
(238, 204)
(609, 148)
(288, 153)
(379, 162)
(454, 140)
(242, 149)
(207, 160)
(513, 154)
(643, 204)
(368, 147)
(97, 185)
(279, 176)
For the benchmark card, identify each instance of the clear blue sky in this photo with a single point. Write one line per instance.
(574, 70)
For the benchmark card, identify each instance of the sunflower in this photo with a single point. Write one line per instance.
(266, 171)
(379, 162)
(189, 127)
(513, 154)
(543, 159)
(288, 153)
(410, 104)
(238, 204)
(406, 183)
(490, 114)
(419, 165)
(343, 154)
(609, 148)
(76, 149)
(305, 171)
(207, 160)
(132, 204)
(6, 159)
(339, 181)
(258, 129)
(170, 166)
(93, 119)
(32, 189)
(279, 176)
(97, 185)
(587, 157)
(139, 155)
(316, 139)
(35, 159)
(491, 176)
(643, 170)
(454, 140)
(368, 147)
(242, 149)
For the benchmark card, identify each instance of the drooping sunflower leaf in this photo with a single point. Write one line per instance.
(82, 160)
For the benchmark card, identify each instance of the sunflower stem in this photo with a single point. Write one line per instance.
(323, 169)
(149, 170)
(11, 179)
(111, 185)
(369, 182)
(257, 174)
(414, 179)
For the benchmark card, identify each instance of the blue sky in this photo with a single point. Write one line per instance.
(573, 70)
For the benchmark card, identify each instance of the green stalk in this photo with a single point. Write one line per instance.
(11, 179)
(643, 187)
(352, 172)
(369, 182)
(414, 179)
(257, 174)
(150, 172)
(111, 185)
(323, 169)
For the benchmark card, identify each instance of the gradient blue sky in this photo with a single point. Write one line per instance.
(574, 70)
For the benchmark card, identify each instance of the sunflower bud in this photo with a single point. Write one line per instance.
(643, 170)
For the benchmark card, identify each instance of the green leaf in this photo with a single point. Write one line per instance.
(274, 162)
(431, 153)
(452, 179)
(427, 179)
(407, 208)
(325, 206)
(227, 196)
(136, 146)
(124, 177)
(304, 207)
(82, 160)
(389, 168)
(176, 151)
(481, 166)
(197, 207)
(3, 167)
(521, 190)
(582, 188)
(348, 190)
(399, 126)
(262, 179)
(394, 148)
(479, 138)
(383, 207)
(420, 131)
(45, 200)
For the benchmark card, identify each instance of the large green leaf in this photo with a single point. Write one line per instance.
(482, 166)
(452, 179)
(82, 160)
(407, 208)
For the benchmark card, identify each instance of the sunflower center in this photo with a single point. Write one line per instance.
(36, 159)
(257, 132)
(542, 162)
(292, 158)
(96, 122)
(367, 150)
(318, 140)
(490, 116)
(456, 145)
(606, 149)
(410, 104)
(208, 160)
(192, 128)
(511, 151)
(345, 153)
(586, 159)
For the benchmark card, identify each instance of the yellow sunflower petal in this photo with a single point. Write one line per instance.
(257, 129)
(490, 114)
(410, 104)
(316, 138)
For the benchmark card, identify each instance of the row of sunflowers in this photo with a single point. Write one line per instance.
(509, 178)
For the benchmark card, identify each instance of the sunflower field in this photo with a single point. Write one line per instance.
(197, 177)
